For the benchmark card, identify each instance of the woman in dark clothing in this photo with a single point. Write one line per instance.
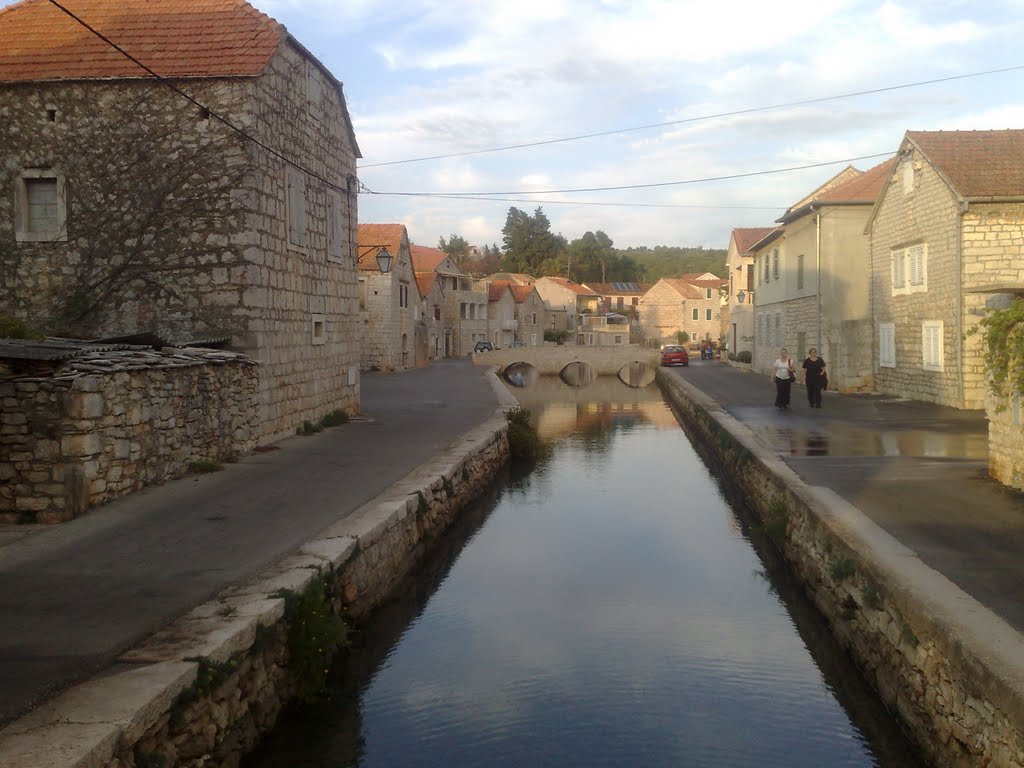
(814, 377)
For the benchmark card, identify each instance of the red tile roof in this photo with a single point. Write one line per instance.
(176, 38)
(389, 236)
(569, 284)
(426, 259)
(861, 189)
(520, 292)
(425, 281)
(745, 237)
(496, 289)
(976, 163)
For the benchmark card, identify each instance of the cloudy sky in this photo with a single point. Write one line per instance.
(454, 77)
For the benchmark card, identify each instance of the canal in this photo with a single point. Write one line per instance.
(612, 607)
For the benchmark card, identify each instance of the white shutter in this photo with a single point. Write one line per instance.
(886, 345)
(296, 208)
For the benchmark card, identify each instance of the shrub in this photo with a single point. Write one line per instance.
(205, 466)
(12, 328)
(523, 441)
(334, 418)
(743, 356)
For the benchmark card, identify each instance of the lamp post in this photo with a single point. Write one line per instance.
(384, 258)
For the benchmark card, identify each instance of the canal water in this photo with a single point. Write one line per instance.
(611, 607)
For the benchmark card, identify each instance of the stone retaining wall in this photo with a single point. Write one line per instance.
(203, 690)
(113, 422)
(951, 670)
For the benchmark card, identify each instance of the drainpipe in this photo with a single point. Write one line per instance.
(961, 210)
(817, 267)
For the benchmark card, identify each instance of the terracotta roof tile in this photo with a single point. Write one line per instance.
(496, 289)
(425, 281)
(976, 163)
(426, 259)
(745, 237)
(862, 189)
(520, 292)
(389, 236)
(176, 38)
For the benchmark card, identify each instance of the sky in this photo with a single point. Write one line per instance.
(451, 77)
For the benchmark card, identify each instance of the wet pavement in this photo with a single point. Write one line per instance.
(919, 470)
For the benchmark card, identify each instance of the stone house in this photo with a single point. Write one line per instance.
(566, 302)
(130, 210)
(948, 224)
(691, 304)
(502, 323)
(811, 280)
(739, 310)
(432, 300)
(530, 315)
(619, 297)
(465, 308)
(604, 329)
(394, 335)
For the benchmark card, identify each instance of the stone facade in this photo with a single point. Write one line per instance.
(738, 314)
(465, 307)
(566, 300)
(914, 635)
(258, 250)
(530, 315)
(109, 423)
(390, 306)
(670, 305)
(432, 312)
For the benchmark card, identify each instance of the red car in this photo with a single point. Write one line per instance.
(674, 356)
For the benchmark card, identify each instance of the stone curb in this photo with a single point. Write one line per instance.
(85, 726)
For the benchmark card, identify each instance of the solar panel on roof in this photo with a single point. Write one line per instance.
(625, 287)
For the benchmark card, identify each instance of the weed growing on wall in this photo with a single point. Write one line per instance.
(842, 569)
(334, 418)
(776, 521)
(1003, 333)
(871, 597)
(205, 466)
(314, 633)
(523, 441)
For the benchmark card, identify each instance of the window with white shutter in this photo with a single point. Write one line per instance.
(897, 270)
(931, 345)
(296, 213)
(887, 345)
(775, 264)
(40, 206)
(910, 269)
(333, 226)
(915, 264)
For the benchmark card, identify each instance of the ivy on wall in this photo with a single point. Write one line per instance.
(1003, 334)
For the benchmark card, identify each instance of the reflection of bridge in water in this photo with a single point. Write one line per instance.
(575, 365)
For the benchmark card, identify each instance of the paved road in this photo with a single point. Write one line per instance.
(918, 470)
(72, 597)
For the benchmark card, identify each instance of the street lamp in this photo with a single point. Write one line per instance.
(741, 296)
(384, 257)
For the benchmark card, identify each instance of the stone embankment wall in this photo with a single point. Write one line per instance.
(951, 670)
(201, 691)
(113, 422)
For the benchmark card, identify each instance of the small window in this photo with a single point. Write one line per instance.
(696, 313)
(707, 313)
(931, 345)
(40, 206)
(767, 268)
(403, 295)
(775, 264)
(708, 294)
(362, 293)
(437, 312)
(800, 272)
(319, 329)
(618, 339)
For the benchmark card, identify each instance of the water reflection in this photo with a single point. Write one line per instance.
(844, 439)
(610, 611)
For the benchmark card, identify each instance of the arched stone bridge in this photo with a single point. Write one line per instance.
(633, 364)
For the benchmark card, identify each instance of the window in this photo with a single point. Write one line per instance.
(931, 344)
(319, 329)
(750, 277)
(708, 294)
(910, 269)
(333, 226)
(296, 208)
(437, 312)
(462, 311)
(40, 206)
(362, 293)
(800, 272)
(403, 295)
(886, 345)
(707, 313)
(618, 339)
(533, 320)
(696, 313)
(767, 267)
(775, 264)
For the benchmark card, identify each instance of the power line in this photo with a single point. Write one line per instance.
(206, 109)
(473, 195)
(455, 196)
(700, 118)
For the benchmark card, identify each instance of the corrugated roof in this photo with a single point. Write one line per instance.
(176, 38)
(976, 163)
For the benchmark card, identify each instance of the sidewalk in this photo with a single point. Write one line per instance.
(916, 469)
(74, 596)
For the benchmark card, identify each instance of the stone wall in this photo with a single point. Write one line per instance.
(203, 690)
(924, 212)
(948, 668)
(112, 423)
(1005, 440)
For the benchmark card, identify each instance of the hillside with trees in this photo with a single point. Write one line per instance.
(531, 247)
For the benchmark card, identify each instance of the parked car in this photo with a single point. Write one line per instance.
(674, 355)
(483, 346)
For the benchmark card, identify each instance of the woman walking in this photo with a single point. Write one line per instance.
(814, 377)
(783, 373)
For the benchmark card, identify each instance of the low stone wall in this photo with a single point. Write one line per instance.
(201, 691)
(950, 669)
(1005, 443)
(109, 423)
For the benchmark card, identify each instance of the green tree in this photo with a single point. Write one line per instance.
(456, 247)
(529, 241)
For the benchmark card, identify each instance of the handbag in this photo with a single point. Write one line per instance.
(824, 380)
